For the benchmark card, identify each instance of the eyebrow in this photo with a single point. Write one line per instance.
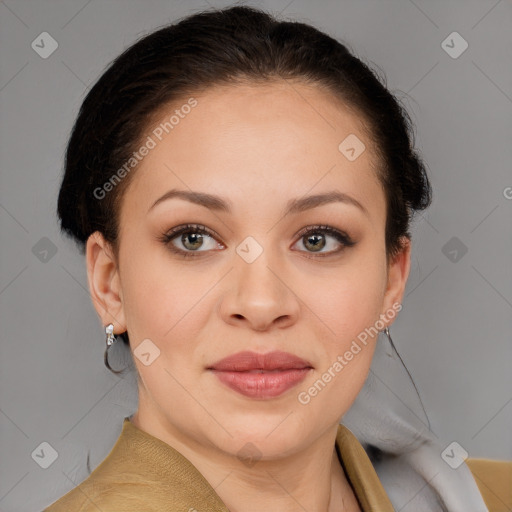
(293, 206)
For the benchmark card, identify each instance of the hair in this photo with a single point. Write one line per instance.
(229, 46)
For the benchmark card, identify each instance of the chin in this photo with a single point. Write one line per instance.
(269, 435)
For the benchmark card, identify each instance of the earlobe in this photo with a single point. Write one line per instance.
(104, 282)
(398, 273)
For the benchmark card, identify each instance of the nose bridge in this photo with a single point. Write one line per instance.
(259, 295)
(257, 268)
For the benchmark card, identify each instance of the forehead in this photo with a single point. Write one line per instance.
(257, 141)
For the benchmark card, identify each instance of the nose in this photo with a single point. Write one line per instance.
(260, 296)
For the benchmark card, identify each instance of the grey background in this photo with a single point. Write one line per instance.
(454, 332)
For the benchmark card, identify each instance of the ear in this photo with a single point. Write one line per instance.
(104, 282)
(398, 273)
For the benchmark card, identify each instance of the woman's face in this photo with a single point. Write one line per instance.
(257, 157)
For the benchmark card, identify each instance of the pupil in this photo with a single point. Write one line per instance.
(317, 245)
(196, 239)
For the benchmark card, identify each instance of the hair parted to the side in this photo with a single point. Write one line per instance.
(226, 46)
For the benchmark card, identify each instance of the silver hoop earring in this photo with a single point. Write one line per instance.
(111, 339)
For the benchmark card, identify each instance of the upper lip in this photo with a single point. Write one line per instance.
(247, 361)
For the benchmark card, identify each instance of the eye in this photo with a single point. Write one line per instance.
(191, 237)
(315, 238)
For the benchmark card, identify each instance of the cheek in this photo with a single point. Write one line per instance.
(349, 307)
(149, 303)
(351, 299)
(165, 307)
(161, 303)
(349, 312)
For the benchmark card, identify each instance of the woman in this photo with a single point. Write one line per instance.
(243, 189)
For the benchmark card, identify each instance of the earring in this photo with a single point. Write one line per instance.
(388, 336)
(111, 339)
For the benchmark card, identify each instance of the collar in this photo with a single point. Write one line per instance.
(163, 463)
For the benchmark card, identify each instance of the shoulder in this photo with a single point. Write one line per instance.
(494, 480)
(89, 500)
(123, 480)
(125, 484)
(141, 472)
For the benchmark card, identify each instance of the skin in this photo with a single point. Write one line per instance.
(257, 146)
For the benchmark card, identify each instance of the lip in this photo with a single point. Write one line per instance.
(261, 376)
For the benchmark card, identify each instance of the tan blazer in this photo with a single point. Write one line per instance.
(143, 474)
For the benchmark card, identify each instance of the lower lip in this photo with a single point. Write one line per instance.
(262, 385)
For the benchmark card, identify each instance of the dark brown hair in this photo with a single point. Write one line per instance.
(227, 46)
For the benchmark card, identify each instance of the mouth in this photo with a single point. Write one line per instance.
(261, 376)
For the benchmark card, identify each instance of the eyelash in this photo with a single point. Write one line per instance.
(167, 238)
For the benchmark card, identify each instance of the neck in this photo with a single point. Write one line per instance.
(312, 479)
